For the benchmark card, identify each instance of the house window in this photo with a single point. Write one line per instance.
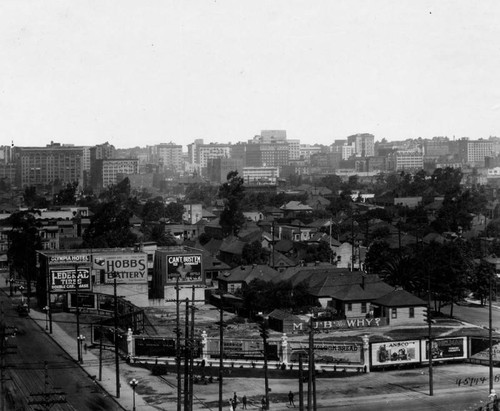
(412, 312)
(363, 308)
(349, 306)
(394, 313)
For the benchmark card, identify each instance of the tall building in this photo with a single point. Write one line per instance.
(364, 144)
(267, 155)
(260, 175)
(408, 160)
(219, 168)
(113, 168)
(474, 152)
(169, 157)
(271, 136)
(99, 153)
(294, 149)
(46, 165)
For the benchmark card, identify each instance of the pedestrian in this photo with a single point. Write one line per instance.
(264, 403)
(231, 404)
(244, 402)
(290, 399)
(493, 399)
(235, 400)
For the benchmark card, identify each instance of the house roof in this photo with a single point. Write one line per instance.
(232, 245)
(295, 206)
(283, 315)
(284, 246)
(247, 273)
(399, 298)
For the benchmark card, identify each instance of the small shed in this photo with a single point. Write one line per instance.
(283, 321)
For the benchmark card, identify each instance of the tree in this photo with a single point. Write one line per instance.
(66, 196)
(153, 210)
(174, 212)
(253, 253)
(377, 256)
(232, 191)
(479, 282)
(110, 227)
(24, 239)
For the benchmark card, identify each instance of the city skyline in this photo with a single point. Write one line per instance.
(144, 74)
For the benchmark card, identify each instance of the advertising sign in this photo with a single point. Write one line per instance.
(64, 279)
(154, 347)
(128, 268)
(69, 259)
(327, 352)
(340, 324)
(480, 349)
(244, 349)
(447, 348)
(186, 267)
(395, 352)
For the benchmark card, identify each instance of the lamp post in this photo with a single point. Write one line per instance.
(11, 285)
(46, 309)
(81, 339)
(133, 383)
(21, 289)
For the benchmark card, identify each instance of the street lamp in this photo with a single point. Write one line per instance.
(133, 383)
(81, 339)
(21, 289)
(46, 309)
(11, 283)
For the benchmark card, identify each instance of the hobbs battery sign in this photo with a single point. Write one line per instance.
(127, 268)
(186, 267)
(65, 279)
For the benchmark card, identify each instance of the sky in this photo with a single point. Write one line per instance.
(139, 73)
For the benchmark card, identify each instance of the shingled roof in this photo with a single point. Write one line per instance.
(399, 298)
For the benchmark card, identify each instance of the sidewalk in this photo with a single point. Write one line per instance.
(90, 361)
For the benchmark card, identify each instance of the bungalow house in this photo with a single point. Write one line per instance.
(349, 293)
(400, 308)
(235, 279)
(295, 208)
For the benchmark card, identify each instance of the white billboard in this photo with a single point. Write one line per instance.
(395, 352)
(126, 268)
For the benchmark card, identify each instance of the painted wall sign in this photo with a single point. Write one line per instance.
(328, 352)
(186, 267)
(392, 352)
(331, 325)
(128, 268)
(69, 259)
(64, 279)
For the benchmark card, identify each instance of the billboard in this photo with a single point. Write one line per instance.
(395, 352)
(128, 268)
(186, 267)
(446, 348)
(338, 352)
(64, 279)
(480, 349)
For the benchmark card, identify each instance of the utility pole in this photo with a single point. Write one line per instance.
(186, 358)
(264, 332)
(178, 345)
(301, 383)
(77, 306)
(191, 351)
(117, 359)
(311, 370)
(221, 348)
(490, 334)
(100, 352)
(429, 322)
